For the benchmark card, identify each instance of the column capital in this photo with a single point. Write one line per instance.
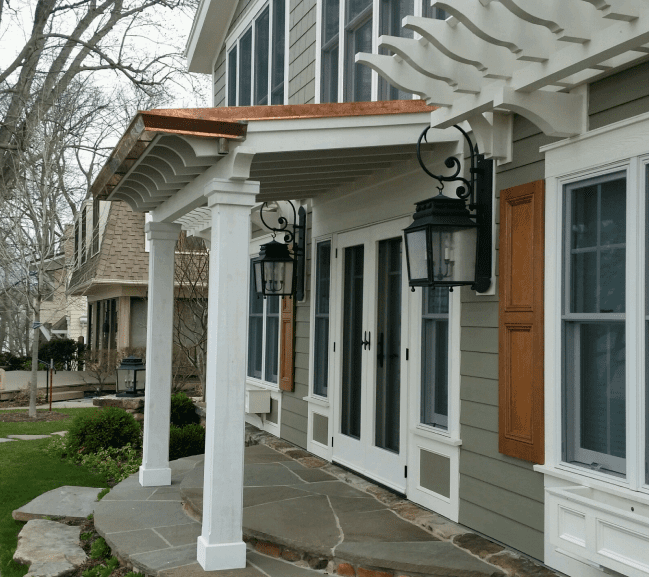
(222, 191)
(162, 230)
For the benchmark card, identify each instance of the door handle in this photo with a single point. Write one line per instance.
(380, 354)
(366, 340)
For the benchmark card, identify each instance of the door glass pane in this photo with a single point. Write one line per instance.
(352, 339)
(279, 41)
(388, 351)
(434, 358)
(272, 339)
(321, 345)
(255, 329)
(245, 61)
(232, 77)
(262, 40)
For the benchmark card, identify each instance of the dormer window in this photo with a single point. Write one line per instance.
(256, 60)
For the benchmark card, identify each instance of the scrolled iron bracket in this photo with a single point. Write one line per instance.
(295, 238)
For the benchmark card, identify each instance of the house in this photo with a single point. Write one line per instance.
(517, 411)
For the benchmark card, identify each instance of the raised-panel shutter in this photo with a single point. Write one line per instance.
(286, 346)
(520, 332)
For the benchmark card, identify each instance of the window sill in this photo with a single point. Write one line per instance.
(440, 437)
(261, 384)
(316, 401)
(589, 479)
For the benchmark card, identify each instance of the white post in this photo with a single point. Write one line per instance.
(221, 545)
(155, 470)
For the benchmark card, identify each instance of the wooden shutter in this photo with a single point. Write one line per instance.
(520, 333)
(286, 346)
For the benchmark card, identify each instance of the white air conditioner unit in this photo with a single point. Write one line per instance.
(257, 401)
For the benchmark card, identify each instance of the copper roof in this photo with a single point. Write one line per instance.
(224, 122)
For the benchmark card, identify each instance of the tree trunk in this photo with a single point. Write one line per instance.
(33, 386)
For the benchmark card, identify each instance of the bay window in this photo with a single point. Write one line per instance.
(256, 60)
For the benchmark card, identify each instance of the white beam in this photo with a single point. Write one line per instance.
(610, 42)
(423, 57)
(398, 73)
(495, 24)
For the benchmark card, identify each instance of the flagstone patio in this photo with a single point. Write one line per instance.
(300, 519)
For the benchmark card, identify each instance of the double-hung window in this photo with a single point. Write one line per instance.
(263, 335)
(354, 20)
(434, 358)
(256, 60)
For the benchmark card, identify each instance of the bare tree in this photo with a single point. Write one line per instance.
(69, 41)
(190, 310)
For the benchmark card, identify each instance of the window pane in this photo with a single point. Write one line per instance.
(232, 77)
(272, 339)
(331, 13)
(392, 14)
(321, 345)
(279, 40)
(429, 12)
(602, 388)
(434, 358)
(355, 7)
(597, 233)
(255, 329)
(330, 75)
(262, 40)
(245, 60)
(361, 76)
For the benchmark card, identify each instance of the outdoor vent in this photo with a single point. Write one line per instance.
(257, 401)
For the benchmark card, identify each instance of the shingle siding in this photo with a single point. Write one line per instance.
(302, 39)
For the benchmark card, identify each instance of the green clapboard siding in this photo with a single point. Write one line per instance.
(500, 496)
(301, 54)
(293, 426)
(608, 104)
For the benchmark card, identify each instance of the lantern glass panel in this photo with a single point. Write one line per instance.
(417, 254)
(454, 254)
(140, 379)
(278, 277)
(259, 281)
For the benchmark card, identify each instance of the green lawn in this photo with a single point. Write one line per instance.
(25, 473)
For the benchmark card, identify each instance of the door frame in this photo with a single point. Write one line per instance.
(365, 449)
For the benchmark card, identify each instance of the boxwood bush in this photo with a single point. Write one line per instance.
(186, 441)
(110, 427)
(183, 411)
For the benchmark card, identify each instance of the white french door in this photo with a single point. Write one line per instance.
(370, 376)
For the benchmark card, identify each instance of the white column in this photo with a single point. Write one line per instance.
(221, 545)
(155, 470)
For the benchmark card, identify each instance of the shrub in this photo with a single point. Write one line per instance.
(114, 464)
(186, 441)
(99, 549)
(183, 412)
(102, 570)
(110, 427)
(62, 351)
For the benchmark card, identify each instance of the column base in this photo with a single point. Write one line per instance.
(155, 477)
(220, 556)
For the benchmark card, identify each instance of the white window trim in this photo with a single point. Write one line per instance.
(253, 251)
(619, 146)
(235, 35)
(376, 11)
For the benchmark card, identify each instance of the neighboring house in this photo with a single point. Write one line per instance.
(519, 412)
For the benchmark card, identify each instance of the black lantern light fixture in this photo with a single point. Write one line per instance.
(277, 271)
(449, 242)
(130, 377)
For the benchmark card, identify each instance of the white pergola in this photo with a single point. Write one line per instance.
(206, 183)
(491, 58)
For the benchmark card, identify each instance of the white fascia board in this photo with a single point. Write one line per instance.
(346, 132)
(208, 32)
